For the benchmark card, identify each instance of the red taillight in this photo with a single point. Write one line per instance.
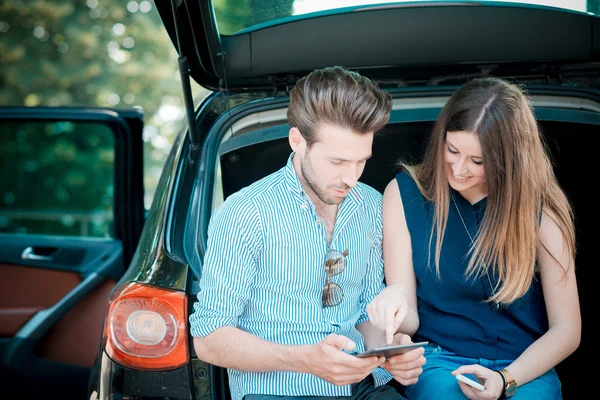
(146, 328)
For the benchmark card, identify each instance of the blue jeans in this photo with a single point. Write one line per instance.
(436, 381)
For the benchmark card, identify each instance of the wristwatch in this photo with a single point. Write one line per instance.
(510, 385)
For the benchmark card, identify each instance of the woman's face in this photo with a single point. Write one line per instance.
(464, 165)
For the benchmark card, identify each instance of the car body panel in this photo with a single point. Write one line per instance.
(152, 255)
(400, 42)
(115, 379)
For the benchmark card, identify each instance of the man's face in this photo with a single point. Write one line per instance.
(332, 165)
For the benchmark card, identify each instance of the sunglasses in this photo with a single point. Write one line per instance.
(335, 262)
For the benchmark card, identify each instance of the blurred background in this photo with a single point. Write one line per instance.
(105, 53)
(102, 53)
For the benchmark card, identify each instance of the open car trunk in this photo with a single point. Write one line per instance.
(571, 134)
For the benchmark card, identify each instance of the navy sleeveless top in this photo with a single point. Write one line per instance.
(452, 310)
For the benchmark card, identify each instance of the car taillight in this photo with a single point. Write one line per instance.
(146, 328)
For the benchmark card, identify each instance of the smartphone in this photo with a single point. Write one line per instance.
(389, 351)
(469, 382)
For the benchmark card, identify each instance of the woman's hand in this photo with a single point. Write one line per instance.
(388, 310)
(490, 379)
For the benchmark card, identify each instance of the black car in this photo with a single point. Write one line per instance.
(59, 330)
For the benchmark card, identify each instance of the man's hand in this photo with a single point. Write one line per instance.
(406, 367)
(388, 309)
(327, 361)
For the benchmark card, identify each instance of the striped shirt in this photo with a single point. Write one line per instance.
(264, 273)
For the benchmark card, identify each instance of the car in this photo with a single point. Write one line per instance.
(112, 310)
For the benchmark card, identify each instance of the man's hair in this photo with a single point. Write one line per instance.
(338, 97)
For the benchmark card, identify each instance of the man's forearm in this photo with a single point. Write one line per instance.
(230, 347)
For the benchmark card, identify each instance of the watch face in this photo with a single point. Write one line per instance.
(511, 389)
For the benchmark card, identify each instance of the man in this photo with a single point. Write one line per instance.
(294, 259)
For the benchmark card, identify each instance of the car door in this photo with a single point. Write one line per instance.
(71, 212)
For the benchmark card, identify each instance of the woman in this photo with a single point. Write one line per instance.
(479, 250)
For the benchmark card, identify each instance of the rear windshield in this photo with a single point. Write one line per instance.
(234, 16)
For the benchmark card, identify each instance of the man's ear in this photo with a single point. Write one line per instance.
(297, 141)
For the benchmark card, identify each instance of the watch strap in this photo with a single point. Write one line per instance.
(510, 385)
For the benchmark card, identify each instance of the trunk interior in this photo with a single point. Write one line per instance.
(572, 146)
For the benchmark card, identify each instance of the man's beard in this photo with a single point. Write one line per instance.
(308, 174)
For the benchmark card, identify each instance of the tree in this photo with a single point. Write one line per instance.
(105, 53)
(82, 53)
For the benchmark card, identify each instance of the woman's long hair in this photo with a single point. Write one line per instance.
(520, 180)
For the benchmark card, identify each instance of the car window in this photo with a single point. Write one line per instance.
(57, 178)
(231, 18)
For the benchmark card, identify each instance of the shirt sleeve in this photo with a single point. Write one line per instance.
(373, 282)
(230, 265)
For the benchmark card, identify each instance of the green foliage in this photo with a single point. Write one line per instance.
(61, 178)
(67, 52)
(104, 53)
(235, 15)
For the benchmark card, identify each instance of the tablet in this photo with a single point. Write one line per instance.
(389, 351)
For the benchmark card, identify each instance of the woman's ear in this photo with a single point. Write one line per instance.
(297, 141)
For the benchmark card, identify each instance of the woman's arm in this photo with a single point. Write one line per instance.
(397, 254)
(397, 303)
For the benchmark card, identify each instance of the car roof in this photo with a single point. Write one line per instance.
(384, 42)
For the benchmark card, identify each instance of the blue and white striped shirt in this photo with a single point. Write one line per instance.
(264, 273)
